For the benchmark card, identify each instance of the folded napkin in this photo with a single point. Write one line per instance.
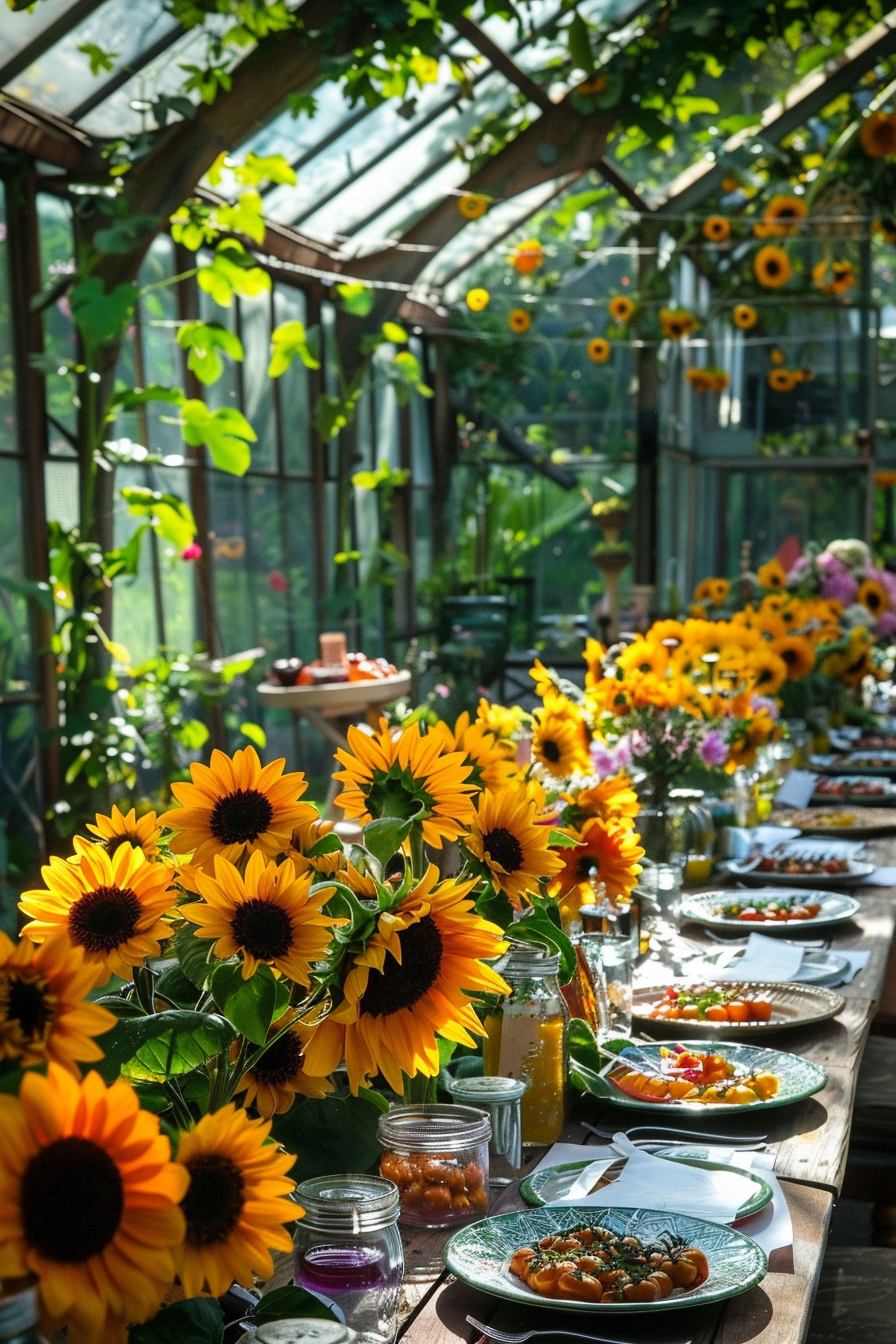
(857, 962)
(764, 959)
(797, 789)
(881, 877)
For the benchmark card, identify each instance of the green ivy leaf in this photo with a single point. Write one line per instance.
(129, 398)
(102, 317)
(320, 1133)
(579, 42)
(231, 272)
(198, 1321)
(357, 299)
(205, 341)
(290, 341)
(560, 840)
(290, 1303)
(538, 926)
(327, 844)
(165, 1045)
(225, 432)
(244, 216)
(192, 734)
(171, 517)
(255, 733)
(248, 1004)
(385, 836)
(394, 333)
(99, 59)
(176, 986)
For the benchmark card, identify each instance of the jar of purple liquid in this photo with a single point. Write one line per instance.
(348, 1250)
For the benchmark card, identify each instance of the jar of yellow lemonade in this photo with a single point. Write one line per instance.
(699, 834)
(526, 1038)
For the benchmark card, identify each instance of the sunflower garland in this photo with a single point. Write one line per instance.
(744, 316)
(772, 267)
(782, 217)
(717, 229)
(677, 323)
(598, 350)
(622, 309)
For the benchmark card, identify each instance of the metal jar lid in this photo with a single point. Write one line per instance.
(488, 1091)
(348, 1203)
(432, 1129)
(304, 1330)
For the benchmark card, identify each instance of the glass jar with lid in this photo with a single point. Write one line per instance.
(501, 1098)
(347, 1249)
(437, 1155)
(303, 1330)
(698, 834)
(526, 1038)
(19, 1312)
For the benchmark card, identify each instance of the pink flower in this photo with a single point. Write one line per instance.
(889, 582)
(886, 624)
(278, 581)
(714, 748)
(830, 565)
(192, 552)
(842, 587)
(441, 689)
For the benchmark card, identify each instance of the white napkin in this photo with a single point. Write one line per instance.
(881, 877)
(561, 1153)
(797, 789)
(766, 837)
(764, 959)
(771, 1227)
(822, 847)
(857, 962)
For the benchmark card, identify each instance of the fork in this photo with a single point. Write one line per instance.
(519, 1337)
(729, 1141)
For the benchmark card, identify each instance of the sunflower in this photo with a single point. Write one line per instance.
(878, 135)
(43, 1013)
(744, 315)
(109, 907)
(771, 574)
(512, 851)
(504, 722)
(783, 217)
(545, 678)
(519, 321)
(776, 356)
(492, 761)
(598, 350)
(611, 799)
(411, 983)
(621, 309)
(782, 380)
(526, 257)
(472, 205)
(713, 591)
(234, 805)
(834, 278)
(236, 1204)
(772, 267)
(269, 916)
(677, 322)
(873, 595)
(278, 1077)
(645, 656)
(797, 653)
(608, 851)
(89, 1200)
(118, 829)
(699, 379)
(717, 229)
(768, 670)
(305, 838)
(406, 776)
(852, 664)
(477, 300)
(559, 738)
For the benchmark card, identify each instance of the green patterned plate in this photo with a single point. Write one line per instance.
(480, 1254)
(798, 1078)
(551, 1183)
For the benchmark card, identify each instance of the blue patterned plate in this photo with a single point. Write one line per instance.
(480, 1254)
(551, 1183)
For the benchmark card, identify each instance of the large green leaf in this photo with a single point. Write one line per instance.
(197, 1321)
(193, 953)
(323, 1133)
(225, 432)
(357, 298)
(101, 317)
(288, 1304)
(205, 342)
(165, 1045)
(231, 272)
(289, 341)
(177, 987)
(168, 514)
(385, 836)
(248, 1004)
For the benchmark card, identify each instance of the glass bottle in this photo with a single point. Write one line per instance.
(348, 1250)
(699, 834)
(526, 1038)
(19, 1313)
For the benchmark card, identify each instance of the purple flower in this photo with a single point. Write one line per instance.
(889, 582)
(766, 702)
(800, 565)
(830, 565)
(609, 760)
(886, 624)
(841, 587)
(714, 748)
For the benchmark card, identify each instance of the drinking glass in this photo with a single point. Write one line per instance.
(609, 958)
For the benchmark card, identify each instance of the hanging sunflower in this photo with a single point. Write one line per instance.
(598, 350)
(477, 300)
(109, 907)
(717, 229)
(268, 917)
(472, 205)
(873, 595)
(743, 315)
(118, 829)
(236, 1204)
(411, 983)
(782, 380)
(43, 1010)
(776, 356)
(508, 848)
(698, 379)
(771, 575)
(797, 653)
(608, 853)
(767, 670)
(782, 217)
(90, 1203)
(772, 267)
(527, 256)
(835, 277)
(878, 135)
(677, 323)
(233, 806)
(278, 1077)
(621, 309)
(559, 737)
(408, 775)
(713, 591)
(519, 321)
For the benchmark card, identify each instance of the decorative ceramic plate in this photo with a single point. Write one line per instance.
(860, 823)
(747, 871)
(886, 798)
(881, 763)
(480, 1255)
(793, 1005)
(798, 1078)
(835, 909)
(555, 1182)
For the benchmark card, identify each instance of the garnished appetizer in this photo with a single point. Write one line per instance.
(769, 912)
(706, 1003)
(690, 1075)
(789, 863)
(593, 1264)
(851, 786)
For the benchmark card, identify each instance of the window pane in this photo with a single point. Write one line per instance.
(295, 415)
(15, 637)
(57, 258)
(770, 508)
(258, 393)
(8, 441)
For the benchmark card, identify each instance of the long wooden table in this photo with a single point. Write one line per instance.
(810, 1142)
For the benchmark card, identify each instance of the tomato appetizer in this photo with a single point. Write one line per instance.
(768, 912)
(851, 786)
(790, 864)
(593, 1264)
(705, 1003)
(690, 1075)
(436, 1185)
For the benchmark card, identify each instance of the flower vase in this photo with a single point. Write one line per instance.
(662, 831)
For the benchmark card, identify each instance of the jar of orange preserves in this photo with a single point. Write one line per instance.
(438, 1157)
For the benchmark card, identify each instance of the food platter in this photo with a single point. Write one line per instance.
(857, 822)
(553, 1183)
(840, 790)
(793, 1005)
(858, 763)
(836, 908)
(748, 871)
(480, 1255)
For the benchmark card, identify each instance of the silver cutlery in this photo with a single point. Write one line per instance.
(746, 1141)
(520, 1336)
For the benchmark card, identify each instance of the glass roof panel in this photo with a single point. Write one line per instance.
(413, 203)
(18, 30)
(61, 80)
(295, 136)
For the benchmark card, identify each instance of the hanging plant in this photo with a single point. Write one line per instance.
(708, 379)
(717, 229)
(772, 267)
(472, 205)
(621, 309)
(677, 322)
(834, 277)
(598, 350)
(745, 316)
(782, 218)
(783, 380)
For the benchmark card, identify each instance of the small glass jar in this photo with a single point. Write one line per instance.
(699, 834)
(501, 1098)
(303, 1330)
(19, 1313)
(526, 1038)
(438, 1157)
(347, 1248)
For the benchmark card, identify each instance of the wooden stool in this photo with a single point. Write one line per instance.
(856, 1300)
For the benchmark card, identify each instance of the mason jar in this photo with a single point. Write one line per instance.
(437, 1155)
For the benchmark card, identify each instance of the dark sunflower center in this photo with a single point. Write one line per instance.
(281, 1062)
(772, 265)
(550, 751)
(872, 601)
(115, 842)
(241, 816)
(27, 1004)
(72, 1200)
(103, 919)
(790, 656)
(587, 866)
(262, 929)
(401, 986)
(215, 1199)
(504, 848)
